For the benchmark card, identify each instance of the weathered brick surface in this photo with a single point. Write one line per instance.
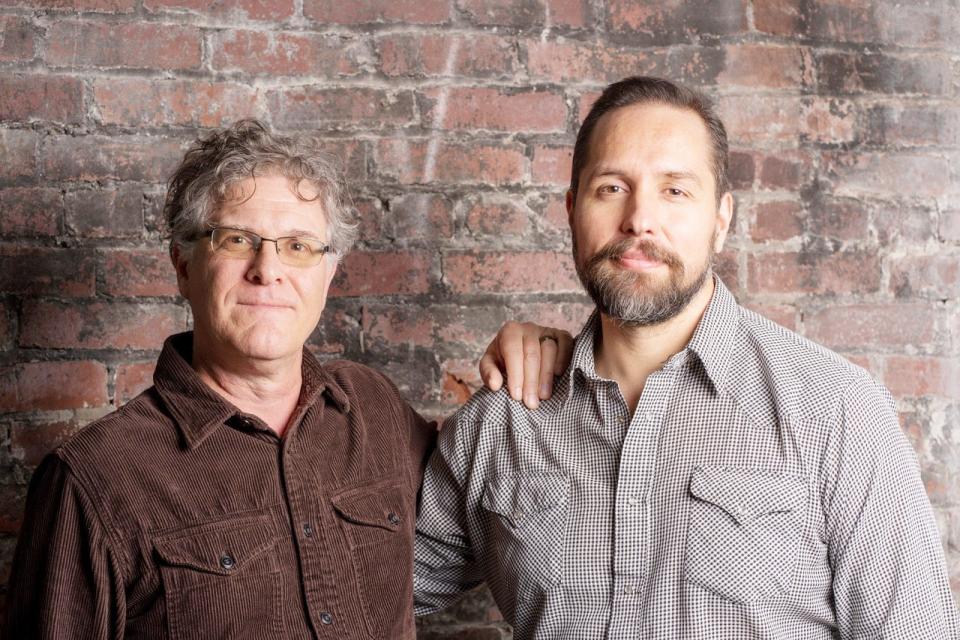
(454, 121)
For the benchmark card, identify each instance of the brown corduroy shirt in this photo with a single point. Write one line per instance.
(179, 516)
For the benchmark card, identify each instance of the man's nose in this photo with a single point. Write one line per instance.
(265, 267)
(640, 215)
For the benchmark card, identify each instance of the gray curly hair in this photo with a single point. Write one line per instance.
(215, 163)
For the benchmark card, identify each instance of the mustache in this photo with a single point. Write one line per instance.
(614, 251)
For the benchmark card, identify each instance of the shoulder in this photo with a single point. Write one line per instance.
(812, 379)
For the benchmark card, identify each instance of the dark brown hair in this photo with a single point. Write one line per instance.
(647, 89)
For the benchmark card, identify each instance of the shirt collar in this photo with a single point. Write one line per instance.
(711, 342)
(198, 410)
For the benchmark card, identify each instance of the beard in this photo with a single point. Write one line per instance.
(635, 299)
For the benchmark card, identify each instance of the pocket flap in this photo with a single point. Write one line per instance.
(518, 497)
(748, 493)
(222, 547)
(376, 506)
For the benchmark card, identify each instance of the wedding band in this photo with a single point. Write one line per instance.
(548, 336)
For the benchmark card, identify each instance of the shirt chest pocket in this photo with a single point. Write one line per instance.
(378, 527)
(221, 580)
(744, 532)
(527, 525)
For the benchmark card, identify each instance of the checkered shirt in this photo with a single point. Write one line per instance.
(762, 488)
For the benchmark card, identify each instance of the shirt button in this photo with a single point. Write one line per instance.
(629, 589)
(621, 420)
(633, 501)
(227, 561)
(326, 618)
(393, 518)
(648, 417)
(307, 529)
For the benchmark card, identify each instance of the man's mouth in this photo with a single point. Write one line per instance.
(637, 260)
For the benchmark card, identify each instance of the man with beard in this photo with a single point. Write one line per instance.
(700, 472)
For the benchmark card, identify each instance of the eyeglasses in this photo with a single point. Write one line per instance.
(295, 251)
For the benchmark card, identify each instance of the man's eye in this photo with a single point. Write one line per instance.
(298, 247)
(676, 193)
(611, 188)
(237, 238)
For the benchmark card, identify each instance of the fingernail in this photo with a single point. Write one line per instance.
(515, 393)
(532, 401)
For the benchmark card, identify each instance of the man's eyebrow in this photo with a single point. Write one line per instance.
(684, 175)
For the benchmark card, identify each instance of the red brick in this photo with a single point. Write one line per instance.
(727, 266)
(497, 109)
(288, 54)
(873, 326)
(783, 315)
(136, 102)
(905, 222)
(742, 170)
(275, 10)
(17, 39)
(950, 225)
(768, 119)
(313, 107)
(884, 22)
(568, 13)
(935, 276)
(18, 148)
(419, 216)
(13, 499)
(387, 327)
(428, 54)
(886, 173)
(679, 21)
(108, 213)
(904, 125)
(121, 157)
(99, 325)
(856, 72)
(28, 98)
(460, 379)
(585, 104)
(571, 61)
(502, 272)
(504, 13)
(779, 17)
(777, 220)
(364, 11)
(137, 272)
(365, 273)
(429, 162)
(457, 331)
(766, 66)
(350, 156)
(554, 214)
(30, 211)
(47, 271)
(567, 316)
(842, 219)
(132, 378)
(551, 165)
(789, 170)
(805, 272)
(132, 45)
(30, 442)
(111, 6)
(8, 328)
(829, 120)
(47, 386)
(370, 213)
(916, 376)
(499, 218)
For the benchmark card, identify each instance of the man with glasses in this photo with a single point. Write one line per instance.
(251, 492)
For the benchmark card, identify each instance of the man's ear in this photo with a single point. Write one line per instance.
(724, 217)
(180, 263)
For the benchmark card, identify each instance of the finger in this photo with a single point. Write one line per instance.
(508, 349)
(564, 351)
(490, 372)
(548, 358)
(531, 370)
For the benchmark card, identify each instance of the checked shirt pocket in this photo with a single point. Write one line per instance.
(743, 539)
(528, 527)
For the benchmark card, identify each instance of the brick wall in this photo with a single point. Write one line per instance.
(455, 120)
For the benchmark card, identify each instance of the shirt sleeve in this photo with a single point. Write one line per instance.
(66, 580)
(889, 574)
(444, 566)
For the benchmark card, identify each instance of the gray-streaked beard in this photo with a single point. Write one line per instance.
(635, 299)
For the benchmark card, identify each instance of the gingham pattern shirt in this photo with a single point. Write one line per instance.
(762, 488)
